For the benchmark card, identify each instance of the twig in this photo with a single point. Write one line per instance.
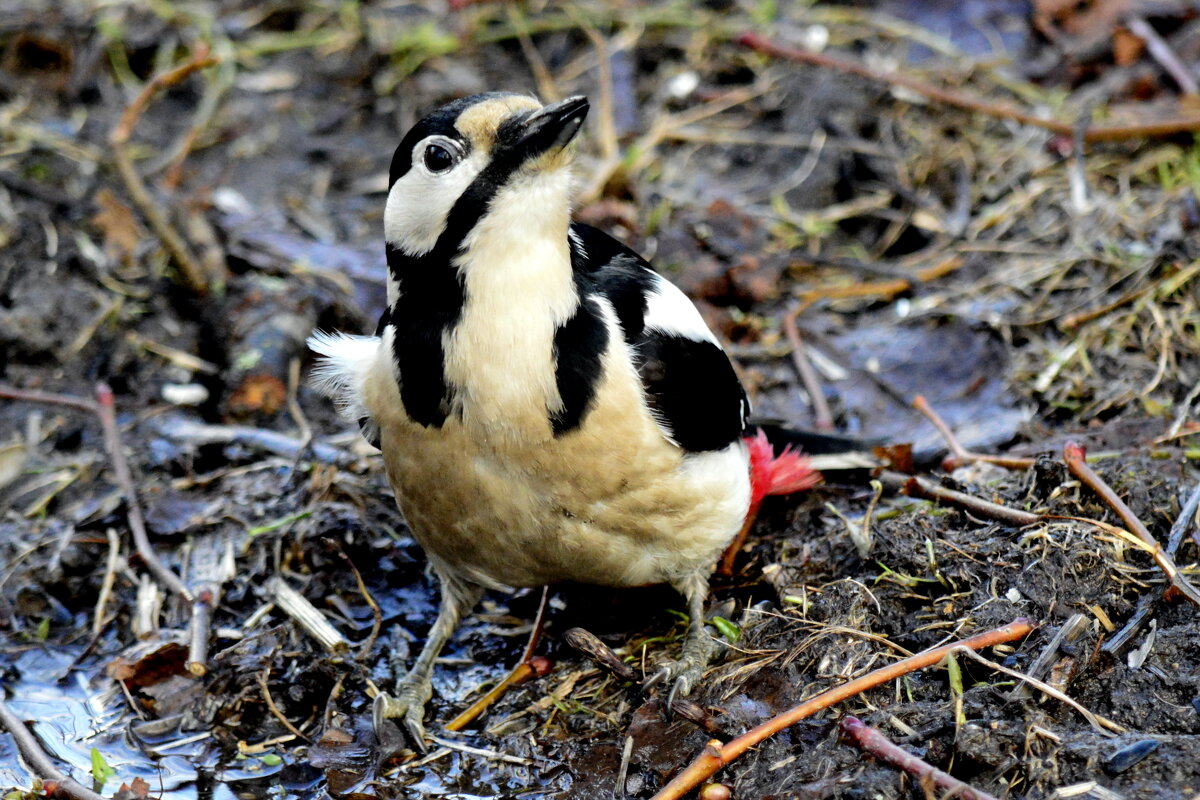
(306, 615)
(1075, 457)
(822, 416)
(1185, 520)
(189, 266)
(919, 487)
(961, 455)
(41, 764)
(1161, 52)
(376, 611)
(201, 624)
(535, 667)
(106, 411)
(110, 578)
(1100, 724)
(539, 624)
(274, 709)
(1149, 602)
(178, 428)
(716, 755)
(530, 666)
(875, 743)
(50, 398)
(1068, 632)
(1099, 133)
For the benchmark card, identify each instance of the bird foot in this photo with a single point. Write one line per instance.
(684, 674)
(408, 705)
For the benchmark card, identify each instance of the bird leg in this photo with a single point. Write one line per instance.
(698, 646)
(415, 688)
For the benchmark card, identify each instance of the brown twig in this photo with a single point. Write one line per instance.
(985, 509)
(1075, 457)
(539, 624)
(106, 411)
(39, 761)
(535, 667)
(716, 755)
(50, 398)
(961, 456)
(376, 611)
(274, 709)
(530, 666)
(201, 625)
(1099, 133)
(822, 416)
(189, 266)
(874, 743)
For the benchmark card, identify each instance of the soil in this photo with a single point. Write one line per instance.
(1032, 292)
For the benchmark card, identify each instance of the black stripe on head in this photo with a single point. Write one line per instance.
(439, 122)
(431, 293)
(579, 345)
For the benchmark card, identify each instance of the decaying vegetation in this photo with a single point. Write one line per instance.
(974, 235)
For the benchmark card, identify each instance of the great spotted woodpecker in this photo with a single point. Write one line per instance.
(549, 407)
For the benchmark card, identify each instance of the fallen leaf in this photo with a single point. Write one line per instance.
(120, 228)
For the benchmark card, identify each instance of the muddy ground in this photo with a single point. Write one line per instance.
(1033, 289)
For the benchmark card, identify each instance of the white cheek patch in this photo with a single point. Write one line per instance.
(670, 311)
(419, 202)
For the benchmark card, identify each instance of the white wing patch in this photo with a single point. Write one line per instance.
(341, 373)
(670, 311)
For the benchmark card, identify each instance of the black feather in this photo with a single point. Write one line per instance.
(690, 385)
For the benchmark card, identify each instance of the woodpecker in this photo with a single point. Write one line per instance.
(549, 407)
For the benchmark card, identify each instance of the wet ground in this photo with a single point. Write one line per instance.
(1033, 291)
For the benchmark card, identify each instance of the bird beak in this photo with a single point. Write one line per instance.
(554, 126)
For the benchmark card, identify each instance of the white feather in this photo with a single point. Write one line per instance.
(669, 310)
(341, 373)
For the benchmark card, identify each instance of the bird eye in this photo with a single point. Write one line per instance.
(438, 158)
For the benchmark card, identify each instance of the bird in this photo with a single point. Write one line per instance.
(549, 407)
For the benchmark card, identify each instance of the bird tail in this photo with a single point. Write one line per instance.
(777, 474)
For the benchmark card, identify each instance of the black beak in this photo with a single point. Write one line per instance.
(553, 126)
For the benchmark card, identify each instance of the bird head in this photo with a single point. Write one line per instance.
(469, 154)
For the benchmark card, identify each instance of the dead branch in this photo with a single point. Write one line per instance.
(960, 456)
(716, 755)
(263, 677)
(873, 742)
(1075, 458)
(530, 666)
(535, 667)
(106, 411)
(38, 760)
(1185, 520)
(376, 612)
(985, 509)
(50, 398)
(189, 266)
(822, 416)
(1098, 133)
(306, 615)
(201, 624)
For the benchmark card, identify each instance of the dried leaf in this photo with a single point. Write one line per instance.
(118, 225)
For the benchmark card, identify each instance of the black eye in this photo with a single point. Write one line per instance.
(438, 158)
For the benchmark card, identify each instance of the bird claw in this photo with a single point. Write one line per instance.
(408, 705)
(683, 675)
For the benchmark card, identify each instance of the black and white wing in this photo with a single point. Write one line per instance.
(691, 387)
